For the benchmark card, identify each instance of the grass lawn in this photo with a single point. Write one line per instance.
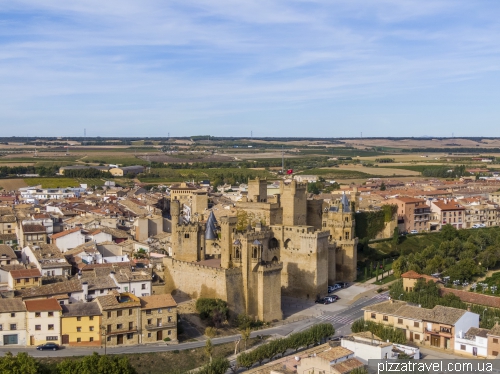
(52, 182)
(387, 279)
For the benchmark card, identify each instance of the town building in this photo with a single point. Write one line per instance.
(43, 321)
(158, 319)
(81, 324)
(12, 322)
(121, 313)
(413, 214)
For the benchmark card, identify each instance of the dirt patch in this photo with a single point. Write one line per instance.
(12, 184)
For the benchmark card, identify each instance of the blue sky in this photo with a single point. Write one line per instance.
(225, 68)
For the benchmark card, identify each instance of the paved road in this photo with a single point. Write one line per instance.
(341, 320)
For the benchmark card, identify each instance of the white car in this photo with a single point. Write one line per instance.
(413, 232)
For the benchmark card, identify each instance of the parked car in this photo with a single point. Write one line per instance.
(335, 287)
(323, 300)
(482, 225)
(343, 284)
(413, 232)
(336, 338)
(48, 347)
(476, 226)
(333, 298)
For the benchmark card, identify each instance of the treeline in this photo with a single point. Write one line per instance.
(445, 172)
(385, 160)
(43, 171)
(385, 333)
(96, 364)
(452, 150)
(427, 295)
(86, 173)
(306, 163)
(314, 335)
(459, 254)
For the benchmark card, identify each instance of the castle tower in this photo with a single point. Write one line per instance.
(187, 239)
(294, 202)
(339, 220)
(230, 252)
(257, 190)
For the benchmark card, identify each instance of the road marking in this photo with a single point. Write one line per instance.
(341, 319)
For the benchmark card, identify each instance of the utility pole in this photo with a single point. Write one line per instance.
(282, 161)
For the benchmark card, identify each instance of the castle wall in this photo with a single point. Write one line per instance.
(269, 292)
(199, 203)
(304, 254)
(271, 214)
(347, 258)
(257, 190)
(332, 260)
(194, 280)
(314, 213)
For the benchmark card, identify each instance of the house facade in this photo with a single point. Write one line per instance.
(43, 321)
(158, 318)
(12, 322)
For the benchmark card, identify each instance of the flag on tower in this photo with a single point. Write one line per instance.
(289, 171)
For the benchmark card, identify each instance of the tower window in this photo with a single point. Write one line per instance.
(186, 236)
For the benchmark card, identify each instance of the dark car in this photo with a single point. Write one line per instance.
(48, 347)
(325, 301)
(334, 297)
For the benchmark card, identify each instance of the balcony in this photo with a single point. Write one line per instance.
(443, 332)
(160, 326)
(123, 330)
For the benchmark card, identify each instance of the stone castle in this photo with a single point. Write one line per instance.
(295, 247)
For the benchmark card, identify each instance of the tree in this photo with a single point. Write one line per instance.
(245, 335)
(218, 365)
(210, 332)
(395, 236)
(383, 187)
(22, 363)
(209, 349)
(448, 232)
(96, 364)
(214, 310)
(246, 360)
(243, 220)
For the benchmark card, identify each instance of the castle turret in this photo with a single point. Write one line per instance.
(294, 202)
(228, 226)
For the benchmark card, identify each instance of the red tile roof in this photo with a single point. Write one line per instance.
(64, 233)
(43, 305)
(25, 273)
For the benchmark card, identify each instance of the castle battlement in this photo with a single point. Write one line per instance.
(273, 266)
(195, 265)
(254, 235)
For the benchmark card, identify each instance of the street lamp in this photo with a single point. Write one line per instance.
(103, 329)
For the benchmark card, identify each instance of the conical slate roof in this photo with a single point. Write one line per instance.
(211, 229)
(345, 202)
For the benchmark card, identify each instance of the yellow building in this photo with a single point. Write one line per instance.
(80, 324)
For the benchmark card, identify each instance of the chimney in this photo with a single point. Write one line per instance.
(85, 288)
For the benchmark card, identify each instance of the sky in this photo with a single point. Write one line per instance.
(322, 68)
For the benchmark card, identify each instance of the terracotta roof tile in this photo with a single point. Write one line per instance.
(42, 305)
(25, 273)
(64, 233)
(157, 301)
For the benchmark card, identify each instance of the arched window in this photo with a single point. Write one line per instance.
(288, 244)
(275, 259)
(273, 243)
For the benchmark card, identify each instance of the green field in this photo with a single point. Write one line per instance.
(62, 182)
(337, 173)
(178, 175)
